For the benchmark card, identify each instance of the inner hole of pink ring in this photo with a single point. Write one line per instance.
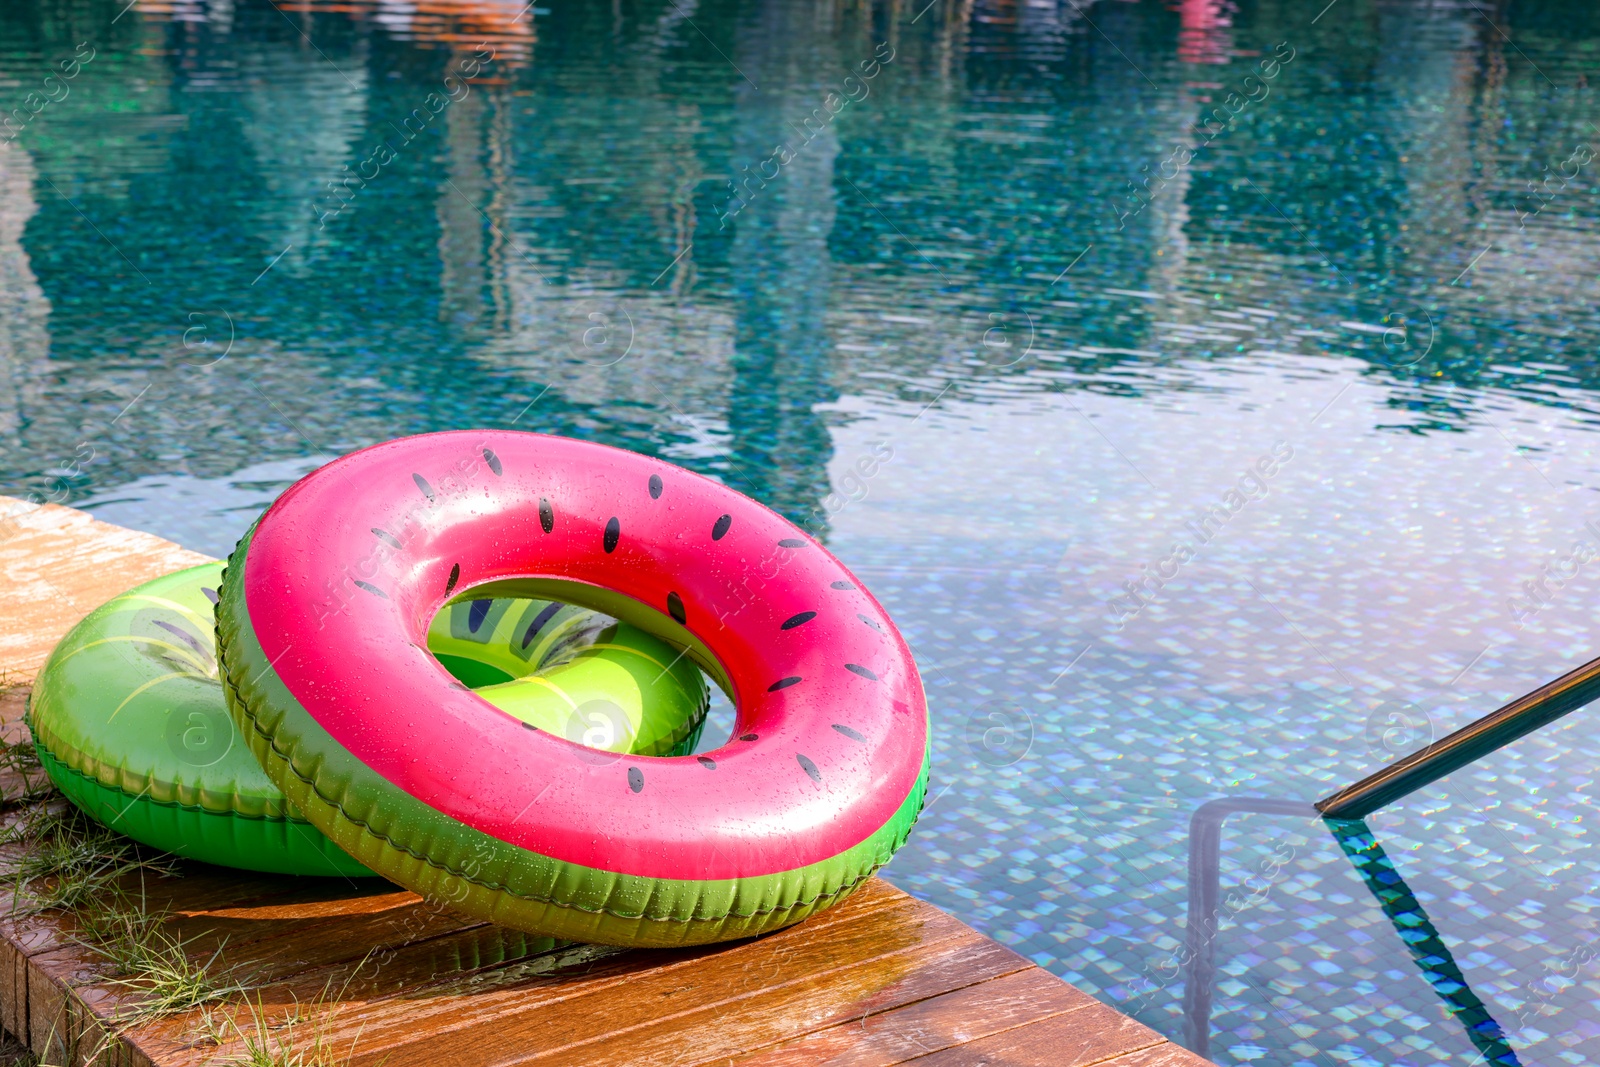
(479, 621)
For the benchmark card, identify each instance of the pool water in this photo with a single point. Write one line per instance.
(1208, 390)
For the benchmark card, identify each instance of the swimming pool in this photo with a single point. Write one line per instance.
(1208, 393)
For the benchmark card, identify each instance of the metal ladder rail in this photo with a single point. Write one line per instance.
(1470, 743)
(1199, 964)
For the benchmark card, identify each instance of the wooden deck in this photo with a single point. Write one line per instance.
(383, 978)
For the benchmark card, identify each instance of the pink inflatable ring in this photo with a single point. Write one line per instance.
(322, 622)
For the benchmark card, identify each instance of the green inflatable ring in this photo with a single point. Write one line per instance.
(130, 723)
(564, 669)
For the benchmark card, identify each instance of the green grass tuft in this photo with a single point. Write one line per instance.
(68, 861)
(55, 858)
(299, 1039)
(19, 761)
(65, 861)
(13, 1054)
(152, 964)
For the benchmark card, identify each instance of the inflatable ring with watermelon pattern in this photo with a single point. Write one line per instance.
(322, 619)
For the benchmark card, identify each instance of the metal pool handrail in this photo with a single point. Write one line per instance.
(1200, 929)
(1472, 742)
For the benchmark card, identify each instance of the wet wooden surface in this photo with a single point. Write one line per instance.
(379, 976)
(58, 564)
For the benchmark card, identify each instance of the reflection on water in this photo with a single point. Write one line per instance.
(1205, 388)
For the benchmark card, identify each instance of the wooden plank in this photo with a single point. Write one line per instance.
(437, 989)
(754, 992)
(382, 975)
(1165, 1054)
(889, 1037)
(448, 985)
(1090, 1034)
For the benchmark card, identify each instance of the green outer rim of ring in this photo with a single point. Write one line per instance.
(233, 839)
(412, 843)
(152, 785)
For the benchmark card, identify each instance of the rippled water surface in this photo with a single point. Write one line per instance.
(1208, 391)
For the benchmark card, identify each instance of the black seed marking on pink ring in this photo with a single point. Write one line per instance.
(547, 515)
(655, 487)
(809, 767)
(707, 762)
(386, 537)
(721, 527)
(792, 542)
(455, 576)
(492, 460)
(749, 737)
(798, 620)
(530, 726)
(856, 668)
(851, 734)
(783, 683)
(477, 613)
(538, 623)
(870, 622)
(675, 609)
(635, 779)
(613, 532)
(211, 594)
(369, 587)
(843, 585)
(422, 483)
